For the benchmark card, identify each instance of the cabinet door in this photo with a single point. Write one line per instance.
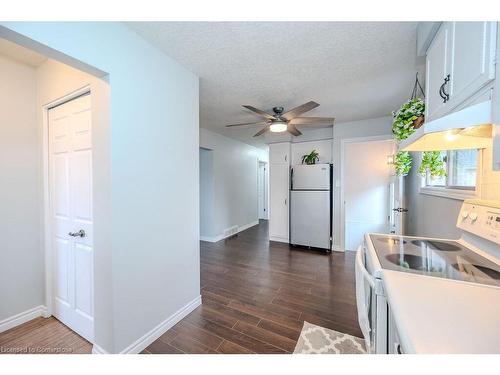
(279, 153)
(472, 62)
(437, 68)
(278, 201)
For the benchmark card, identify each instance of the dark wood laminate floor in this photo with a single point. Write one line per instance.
(256, 296)
(43, 336)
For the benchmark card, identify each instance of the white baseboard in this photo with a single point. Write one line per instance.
(278, 239)
(211, 239)
(23, 317)
(249, 225)
(220, 237)
(96, 349)
(143, 342)
(338, 248)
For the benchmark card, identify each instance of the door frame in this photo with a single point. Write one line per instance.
(47, 204)
(343, 142)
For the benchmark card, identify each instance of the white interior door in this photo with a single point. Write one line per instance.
(70, 181)
(366, 181)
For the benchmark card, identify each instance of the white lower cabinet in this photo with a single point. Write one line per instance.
(279, 179)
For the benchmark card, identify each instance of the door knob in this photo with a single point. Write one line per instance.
(400, 209)
(80, 233)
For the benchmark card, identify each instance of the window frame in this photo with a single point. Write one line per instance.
(452, 191)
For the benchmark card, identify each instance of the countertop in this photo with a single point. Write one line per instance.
(441, 316)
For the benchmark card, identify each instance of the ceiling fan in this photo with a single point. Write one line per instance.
(288, 121)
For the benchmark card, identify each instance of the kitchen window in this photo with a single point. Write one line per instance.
(461, 175)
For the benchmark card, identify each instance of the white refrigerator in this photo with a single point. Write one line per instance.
(311, 206)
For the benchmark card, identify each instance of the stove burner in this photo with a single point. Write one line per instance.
(391, 241)
(437, 245)
(486, 270)
(408, 261)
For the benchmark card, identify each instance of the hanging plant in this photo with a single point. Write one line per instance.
(310, 158)
(432, 162)
(402, 163)
(408, 118)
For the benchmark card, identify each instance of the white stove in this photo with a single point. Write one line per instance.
(474, 258)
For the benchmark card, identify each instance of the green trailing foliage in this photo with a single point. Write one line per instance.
(432, 162)
(310, 158)
(402, 163)
(402, 127)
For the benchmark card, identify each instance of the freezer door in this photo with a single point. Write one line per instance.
(311, 177)
(310, 218)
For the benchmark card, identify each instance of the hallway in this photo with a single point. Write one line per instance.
(256, 295)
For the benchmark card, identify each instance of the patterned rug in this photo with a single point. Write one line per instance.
(318, 340)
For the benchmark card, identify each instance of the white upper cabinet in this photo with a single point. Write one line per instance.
(279, 153)
(472, 65)
(437, 68)
(460, 62)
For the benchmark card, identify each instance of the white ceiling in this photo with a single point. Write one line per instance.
(20, 54)
(354, 70)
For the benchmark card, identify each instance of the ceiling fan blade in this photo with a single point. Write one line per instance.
(293, 130)
(247, 123)
(260, 132)
(299, 110)
(260, 112)
(312, 120)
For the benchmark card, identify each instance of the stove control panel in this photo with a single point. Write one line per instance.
(481, 218)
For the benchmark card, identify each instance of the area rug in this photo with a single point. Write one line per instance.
(319, 340)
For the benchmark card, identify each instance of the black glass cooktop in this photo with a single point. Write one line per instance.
(447, 259)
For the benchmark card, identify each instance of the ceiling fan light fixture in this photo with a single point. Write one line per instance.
(278, 127)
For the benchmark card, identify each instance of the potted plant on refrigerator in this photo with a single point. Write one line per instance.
(310, 158)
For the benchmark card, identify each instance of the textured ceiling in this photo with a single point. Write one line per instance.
(20, 54)
(354, 70)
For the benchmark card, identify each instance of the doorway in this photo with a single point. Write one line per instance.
(366, 181)
(70, 216)
(263, 183)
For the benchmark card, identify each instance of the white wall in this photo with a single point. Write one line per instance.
(206, 193)
(436, 216)
(153, 199)
(235, 167)
(55, 80)
(21, 256)
(364, 128)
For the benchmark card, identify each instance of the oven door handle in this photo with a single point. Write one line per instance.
(360, 265)
(365, 286)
